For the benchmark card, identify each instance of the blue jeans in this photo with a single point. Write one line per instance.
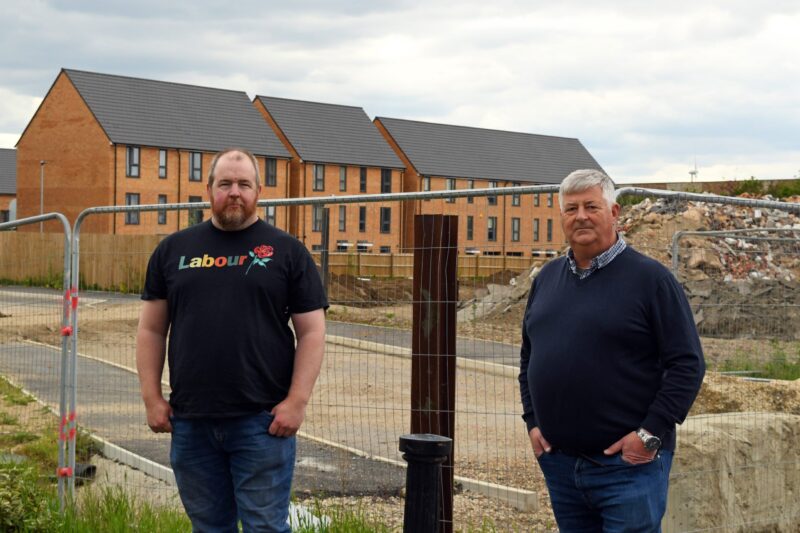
(231, 469)
(598, 493)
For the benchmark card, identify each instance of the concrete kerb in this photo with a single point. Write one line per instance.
(486, 367)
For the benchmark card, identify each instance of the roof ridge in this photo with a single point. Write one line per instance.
(475, 128)
(310, 102)
(136, 78)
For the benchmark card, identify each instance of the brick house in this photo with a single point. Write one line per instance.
(441, 156)
(116, 140)
(336, 150)
(8, 184)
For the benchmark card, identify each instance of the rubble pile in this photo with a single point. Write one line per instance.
(739, 285)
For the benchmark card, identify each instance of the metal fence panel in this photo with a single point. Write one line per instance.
(37, 404)
(348, 448)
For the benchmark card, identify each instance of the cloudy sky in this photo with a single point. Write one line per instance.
(650, 88)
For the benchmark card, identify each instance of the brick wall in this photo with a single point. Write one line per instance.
(78, 160)
(373, 235)
(178, 188)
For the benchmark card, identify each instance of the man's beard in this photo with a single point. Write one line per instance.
(232, 219)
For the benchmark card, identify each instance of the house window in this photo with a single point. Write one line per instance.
(343, 178)
(549, 199)
(426, 185)
(319, 178)
(362, 179)
(342, 217)
(132, 162)
(195, 166)
(535, 230)
(342, 245)
(132, 198)
(549, 230)
(451, 186)
(162, 214)
(316, 218)
(536, 200)
(515, 200)
(386, 219)
(492, 200)
(269, 213)
(195, 215)
(471, 199)
(470, 227)
(5, 215)
(271, 174)
(386, 180)
(386, 249)
(491, 229)
(162, 163)
(362, 219)
(515, 229)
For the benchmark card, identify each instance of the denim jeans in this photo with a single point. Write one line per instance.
(599, 493)
(231, 469)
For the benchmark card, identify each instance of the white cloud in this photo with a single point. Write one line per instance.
(645, 86)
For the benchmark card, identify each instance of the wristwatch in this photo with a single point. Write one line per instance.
(651, 442)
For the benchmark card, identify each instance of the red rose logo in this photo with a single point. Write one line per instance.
(263, 251)
(261, 256)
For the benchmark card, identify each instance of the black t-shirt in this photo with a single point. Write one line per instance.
(230, 296)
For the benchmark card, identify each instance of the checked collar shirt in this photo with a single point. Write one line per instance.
(598, 262)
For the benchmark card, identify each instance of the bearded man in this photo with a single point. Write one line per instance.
(219, 295)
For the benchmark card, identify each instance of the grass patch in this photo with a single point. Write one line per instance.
(8, 420)
(779, 365)
(8, 440)
(13, 395)
(340, 519)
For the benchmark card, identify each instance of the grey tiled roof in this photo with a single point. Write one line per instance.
(173, 115)
(329, 133)
(8, 171)
(466, 152)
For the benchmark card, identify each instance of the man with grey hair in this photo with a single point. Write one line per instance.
(610, 362)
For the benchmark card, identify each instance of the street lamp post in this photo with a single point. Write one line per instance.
(41, 193)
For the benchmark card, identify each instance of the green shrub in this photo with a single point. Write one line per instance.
(749, 186)
(25, 504)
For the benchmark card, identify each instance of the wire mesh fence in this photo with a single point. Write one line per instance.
(738, 262)
(734, 469)
(37, 401)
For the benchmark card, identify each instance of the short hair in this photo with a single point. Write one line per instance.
(580, 180)
(244, 153)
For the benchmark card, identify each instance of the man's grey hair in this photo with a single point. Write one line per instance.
(580, 180)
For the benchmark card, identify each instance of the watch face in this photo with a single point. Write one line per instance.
(652, 443)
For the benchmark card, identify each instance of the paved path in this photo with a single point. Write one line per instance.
(109, 405)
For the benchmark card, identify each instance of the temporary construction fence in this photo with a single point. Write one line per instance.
(723, 478)
(738, 262)
(37, 377)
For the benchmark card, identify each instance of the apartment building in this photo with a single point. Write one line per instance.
(336, 150)
(8, 184)
(100, 139)
(442, 157)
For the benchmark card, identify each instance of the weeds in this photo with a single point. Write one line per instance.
(780, 365)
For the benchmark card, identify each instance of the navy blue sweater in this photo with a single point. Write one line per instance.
(608, 354)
